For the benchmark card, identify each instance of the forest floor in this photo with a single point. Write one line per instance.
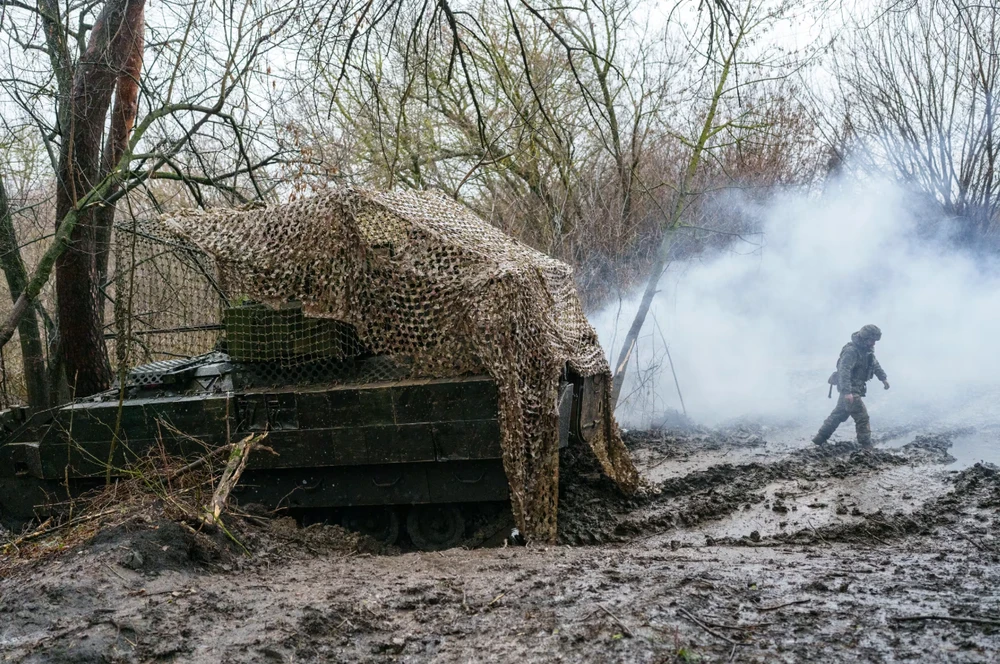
(741, 548)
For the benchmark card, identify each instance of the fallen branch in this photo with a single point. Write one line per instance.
(625, 630)
(689, 616)
(966, 538)
(958, 619)
(237, 463)
(781, 606)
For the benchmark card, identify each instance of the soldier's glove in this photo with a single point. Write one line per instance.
(849, 397)
(886, 383)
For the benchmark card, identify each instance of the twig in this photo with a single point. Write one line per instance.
(781, 606)
(198, 463)
(661, 462)
(496, 599)
(116, 573)
(625, 630)
(42, 530)
(816, 532)
(689, 616)
(142, 592)
(252, 518)
(875, 537)
(737, 627)
(975, 621)
(966, 538)
(666, 347)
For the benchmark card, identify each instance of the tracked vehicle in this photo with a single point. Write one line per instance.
(354, 440)
(408, 361)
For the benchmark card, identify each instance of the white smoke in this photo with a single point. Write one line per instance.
(754, 331)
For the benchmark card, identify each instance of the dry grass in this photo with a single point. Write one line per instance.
(153, 488)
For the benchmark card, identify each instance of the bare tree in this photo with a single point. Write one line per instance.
(726, 122)
(199, 129)
(32, 348)
(534, 114)
(921, 84)
(110, 64)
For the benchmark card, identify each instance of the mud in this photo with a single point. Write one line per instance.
(735, 549)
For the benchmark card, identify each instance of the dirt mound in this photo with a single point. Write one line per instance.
(979, 485)
(930, 448)
(153, 542)
(590, 504)
(154, 545)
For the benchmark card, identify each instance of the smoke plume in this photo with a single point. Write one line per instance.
(754, 331)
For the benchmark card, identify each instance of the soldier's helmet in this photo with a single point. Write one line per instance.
(870, 333)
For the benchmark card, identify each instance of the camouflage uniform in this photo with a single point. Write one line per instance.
(856, 366)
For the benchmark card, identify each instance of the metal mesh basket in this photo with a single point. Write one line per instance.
(175, 302)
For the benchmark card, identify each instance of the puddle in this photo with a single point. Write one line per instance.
(969, 449)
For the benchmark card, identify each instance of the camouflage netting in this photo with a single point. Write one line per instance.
(420, 276)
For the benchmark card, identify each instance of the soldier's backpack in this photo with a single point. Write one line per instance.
(833, 380)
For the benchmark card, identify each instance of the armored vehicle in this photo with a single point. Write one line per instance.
(353, 438)
(407, 359)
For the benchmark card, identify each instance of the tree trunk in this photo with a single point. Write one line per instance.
(122, 120)
(109, 56)
(32, 349)
(671, 223)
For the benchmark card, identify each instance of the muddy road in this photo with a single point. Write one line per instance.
(740, 549)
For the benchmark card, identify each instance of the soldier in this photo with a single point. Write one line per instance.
(856, 366)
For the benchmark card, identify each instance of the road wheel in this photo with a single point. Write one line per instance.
(435, 527)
